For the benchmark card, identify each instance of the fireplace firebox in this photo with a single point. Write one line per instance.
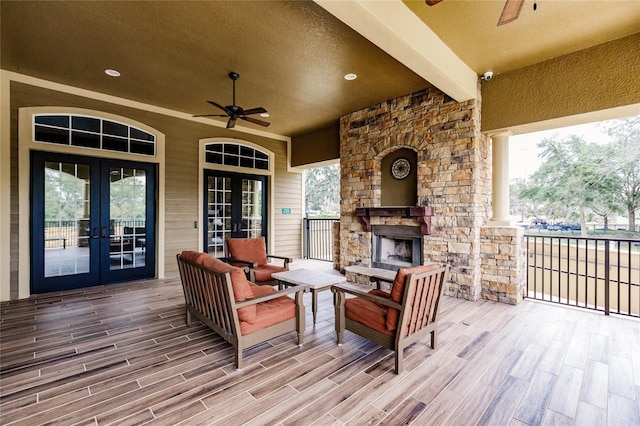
(396, 246)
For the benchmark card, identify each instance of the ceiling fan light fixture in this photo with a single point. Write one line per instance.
(235, 112)
(265, 115)
(350, 76)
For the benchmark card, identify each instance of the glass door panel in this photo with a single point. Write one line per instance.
(67, 189)
(235, 206)
(252, 211)
(219, 224)
(127, 217)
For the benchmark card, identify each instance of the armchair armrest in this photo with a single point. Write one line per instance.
(265, 297)
(381, 278)
(286, 260)
(376, 299)
(249, 263)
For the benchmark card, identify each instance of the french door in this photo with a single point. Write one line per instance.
(235, 205)
(92, 221)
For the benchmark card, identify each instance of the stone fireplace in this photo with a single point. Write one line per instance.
(396, 246)
(451, 185)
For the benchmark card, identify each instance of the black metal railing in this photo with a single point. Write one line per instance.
(72, 233)
(596, 273)
(318, 239)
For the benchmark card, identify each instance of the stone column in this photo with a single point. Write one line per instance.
(500, 180)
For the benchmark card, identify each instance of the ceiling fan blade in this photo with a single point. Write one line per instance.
(231, 123)
(211, 115)
(217, 105)
(255, 120)
(510, 12)
(432, 2)
(251, 111)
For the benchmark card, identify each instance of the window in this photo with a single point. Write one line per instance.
(236, 155)
(92, 132)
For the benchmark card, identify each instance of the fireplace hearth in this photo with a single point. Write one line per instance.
(396, 246)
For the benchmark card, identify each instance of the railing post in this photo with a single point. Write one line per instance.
(607, 293)
(305, 238)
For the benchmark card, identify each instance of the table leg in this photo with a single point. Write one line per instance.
(314, 304)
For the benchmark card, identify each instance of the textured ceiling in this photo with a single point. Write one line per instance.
(291, 55)
(554, 28)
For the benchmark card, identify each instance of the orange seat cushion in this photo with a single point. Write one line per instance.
(367, 313)
(269, 313)
(241, 288)
(252, 249)
(397, 290)
(263, 273)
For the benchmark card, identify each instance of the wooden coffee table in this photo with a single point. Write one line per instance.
(314, 280)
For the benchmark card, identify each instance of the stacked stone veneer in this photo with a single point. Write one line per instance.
(453, 166)
(503, 260)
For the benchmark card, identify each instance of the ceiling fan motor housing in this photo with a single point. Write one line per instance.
(234, 111)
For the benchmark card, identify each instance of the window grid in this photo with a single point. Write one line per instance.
(219, 214)
(236, 155)
(92, 132)
(251, 208)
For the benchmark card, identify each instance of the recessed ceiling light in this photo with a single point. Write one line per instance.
(265, 115)
(350, 76)
(112, 73)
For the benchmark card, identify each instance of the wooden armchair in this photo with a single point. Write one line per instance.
(242, 313)
(252, 253)
(396, 319)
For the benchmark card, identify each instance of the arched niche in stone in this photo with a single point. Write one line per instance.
(399, 178)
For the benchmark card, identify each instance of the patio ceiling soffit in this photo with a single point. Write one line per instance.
(400, 33)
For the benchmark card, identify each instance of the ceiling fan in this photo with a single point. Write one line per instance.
(510, 12)
(234, 111)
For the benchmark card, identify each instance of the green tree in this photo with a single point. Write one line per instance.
(322, 189)
(624, 154)
(573, 178)
(521, 204)
(65, 192)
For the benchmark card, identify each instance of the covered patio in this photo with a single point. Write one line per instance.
(123, 354)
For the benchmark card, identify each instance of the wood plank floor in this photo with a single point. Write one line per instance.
(122, 354)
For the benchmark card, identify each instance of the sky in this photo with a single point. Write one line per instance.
(523, 152)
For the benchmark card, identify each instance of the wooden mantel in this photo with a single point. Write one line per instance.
(422, 214)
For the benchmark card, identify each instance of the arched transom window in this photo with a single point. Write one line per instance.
(236, 155)
(92, 132)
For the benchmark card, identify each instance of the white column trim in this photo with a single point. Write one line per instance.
(500, 179)
(5, 187)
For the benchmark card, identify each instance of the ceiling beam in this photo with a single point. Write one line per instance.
(395, 29)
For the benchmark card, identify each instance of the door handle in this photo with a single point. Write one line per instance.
(104, 232)
(96, 232)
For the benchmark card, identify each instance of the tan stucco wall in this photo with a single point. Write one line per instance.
(318, 146)
(595, 79)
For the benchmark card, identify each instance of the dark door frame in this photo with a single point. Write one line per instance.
(99, 272)
(236, 201)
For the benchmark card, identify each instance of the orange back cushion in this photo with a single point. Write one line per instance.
(397, 289)
(241, 288)
(252, 249)
(193, 256)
